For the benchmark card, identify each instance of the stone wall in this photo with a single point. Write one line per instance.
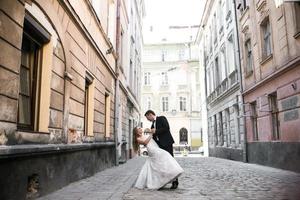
(284, 155)
(52, 167)
(59, 152)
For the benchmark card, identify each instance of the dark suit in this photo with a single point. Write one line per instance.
(162, 135)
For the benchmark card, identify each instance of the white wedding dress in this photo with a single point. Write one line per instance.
(159, 169)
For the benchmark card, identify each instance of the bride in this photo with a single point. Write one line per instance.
(160, 167)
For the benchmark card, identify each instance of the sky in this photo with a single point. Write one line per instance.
(161, 14)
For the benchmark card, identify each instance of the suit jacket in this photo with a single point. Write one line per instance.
(162, 135)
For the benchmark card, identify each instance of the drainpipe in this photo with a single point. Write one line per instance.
(117, 90)
(245, 157)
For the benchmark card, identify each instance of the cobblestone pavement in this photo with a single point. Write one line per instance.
(204, 178)
(213, 178)
(110, 184)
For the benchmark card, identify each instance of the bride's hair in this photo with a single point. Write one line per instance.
(135, 143)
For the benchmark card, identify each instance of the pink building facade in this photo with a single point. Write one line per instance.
(270, 58)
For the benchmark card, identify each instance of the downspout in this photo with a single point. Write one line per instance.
(117, 91)
(245, 157)
(206, 107)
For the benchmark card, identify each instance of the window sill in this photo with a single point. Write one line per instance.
(297, 35)
(266, 59)
(32, 132)
(40, 149)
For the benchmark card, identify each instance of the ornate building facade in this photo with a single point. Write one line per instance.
(171, 88)
(218, 45)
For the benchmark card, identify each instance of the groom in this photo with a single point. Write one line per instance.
(162, 135)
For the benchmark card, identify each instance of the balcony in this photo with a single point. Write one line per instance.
(226, 85)
(147, 88)
(164, 87)
(182, 87)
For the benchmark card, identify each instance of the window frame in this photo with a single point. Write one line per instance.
(248, 57)
(165, 103)
(182, 103)
(164, 78)
(39, 36)
(266, 38)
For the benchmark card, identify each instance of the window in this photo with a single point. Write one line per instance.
(237, 124)
(183, 136)
(131, 74)
(266, 39)
(217, 72)
(165, 104)
(212, 85)
(220, 15)
(147, 78)
(242, 6)
(35, 38)
(122, 52)
(223, 64)
(221, 142)
(181, 54)
(249, 57)
(210, 39)
(29, 77)
(135, 86)
(245, 4)
(253, 108)
(107, 115)
(163, 55)
(227, 124)
(149, 103)
(215, 130)
(273, 104)
(230, 55)
(164, 78)
(297, 18)
(182, 103)
(89, 106)
(215, 28)
(208, 85)
(228, 7)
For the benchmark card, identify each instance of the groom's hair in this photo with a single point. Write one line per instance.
(149, 112)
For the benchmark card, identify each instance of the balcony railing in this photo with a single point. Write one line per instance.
(224, 86)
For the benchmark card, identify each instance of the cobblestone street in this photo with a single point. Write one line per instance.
(204, 178)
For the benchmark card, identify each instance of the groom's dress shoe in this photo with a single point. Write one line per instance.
(174, 185)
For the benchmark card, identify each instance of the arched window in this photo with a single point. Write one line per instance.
(183, 136)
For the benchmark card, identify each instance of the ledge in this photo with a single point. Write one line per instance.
(31, 150)
(266, 59)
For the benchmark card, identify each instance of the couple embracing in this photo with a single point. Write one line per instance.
(160, 167)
